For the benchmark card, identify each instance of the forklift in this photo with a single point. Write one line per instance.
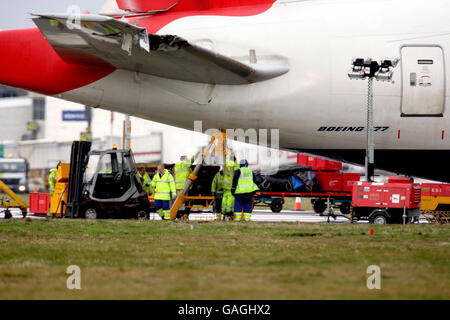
(104, 184)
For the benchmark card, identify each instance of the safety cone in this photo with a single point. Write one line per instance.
(298, 204)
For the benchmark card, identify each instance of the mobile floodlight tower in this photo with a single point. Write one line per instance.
(369, 69)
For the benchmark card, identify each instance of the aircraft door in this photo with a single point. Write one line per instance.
(423, 86)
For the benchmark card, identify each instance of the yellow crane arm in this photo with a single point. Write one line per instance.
(181, 197)
(17, 202)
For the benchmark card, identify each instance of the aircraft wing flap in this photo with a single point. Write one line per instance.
(100, 39)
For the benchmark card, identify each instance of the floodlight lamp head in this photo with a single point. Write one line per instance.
(358, 62)
(389, 62)
(384, 75)
(357, 69)
(386, 72)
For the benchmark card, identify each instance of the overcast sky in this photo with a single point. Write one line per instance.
(15, 14)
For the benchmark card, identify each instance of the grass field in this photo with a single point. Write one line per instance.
(161, 260)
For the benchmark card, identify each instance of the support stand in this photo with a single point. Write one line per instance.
(370, 146)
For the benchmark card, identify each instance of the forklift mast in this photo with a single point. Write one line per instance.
(78, 157)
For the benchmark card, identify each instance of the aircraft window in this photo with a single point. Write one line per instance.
(425, 61)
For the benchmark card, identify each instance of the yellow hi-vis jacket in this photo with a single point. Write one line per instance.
(52, 179)
(228, 174)
(164, 186)
(146, 183)
(217, 185)
(182, 171)
(245, 183)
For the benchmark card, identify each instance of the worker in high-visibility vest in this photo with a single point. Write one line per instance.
(217, 192)
(163, 186)
(181, 171)
(145, 180)
(243, 189)
(228, 198)
(52, 179)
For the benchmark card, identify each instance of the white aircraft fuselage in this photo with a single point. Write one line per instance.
(315, 105)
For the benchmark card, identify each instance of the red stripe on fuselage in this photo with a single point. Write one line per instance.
(188, 8)
(189, 5)
(29, 62)
(145, 5)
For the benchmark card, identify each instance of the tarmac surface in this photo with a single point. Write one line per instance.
(269, 216)
(257, 216)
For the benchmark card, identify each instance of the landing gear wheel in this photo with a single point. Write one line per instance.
(91, 214)
(379, 217)
(345, 208)
(319, 206)
(276, 206)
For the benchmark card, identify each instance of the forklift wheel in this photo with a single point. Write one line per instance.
(90, 213)
(142, 215)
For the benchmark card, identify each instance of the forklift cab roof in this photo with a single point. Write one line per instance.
(100, 152)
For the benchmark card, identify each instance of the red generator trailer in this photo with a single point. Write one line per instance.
(397, 201)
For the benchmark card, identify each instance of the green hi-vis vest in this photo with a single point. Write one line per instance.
(182, 170)
(52, 178)
(228, 174)
(147, 182)
(164, 186)
(245, 183)
(217, 185)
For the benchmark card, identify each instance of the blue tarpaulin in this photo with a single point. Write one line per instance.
(296, 183)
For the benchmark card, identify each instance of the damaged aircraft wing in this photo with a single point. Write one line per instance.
(96, 39)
